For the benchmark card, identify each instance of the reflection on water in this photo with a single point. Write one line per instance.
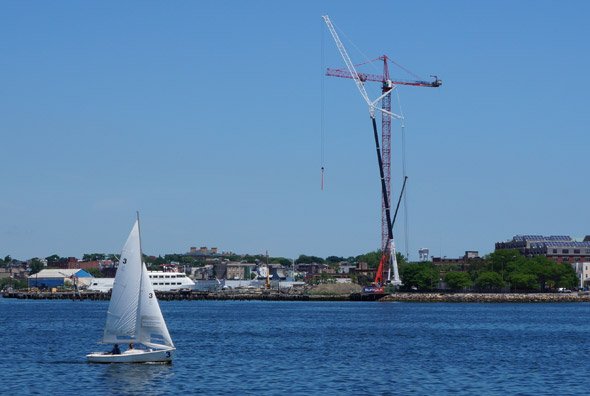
(137, 378)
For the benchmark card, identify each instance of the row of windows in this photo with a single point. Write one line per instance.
(566, 251)
(166, 276)
(167, 283)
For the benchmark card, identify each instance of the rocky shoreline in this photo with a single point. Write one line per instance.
(303, 296)
(488, 297)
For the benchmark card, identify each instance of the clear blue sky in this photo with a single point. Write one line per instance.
(205, 117)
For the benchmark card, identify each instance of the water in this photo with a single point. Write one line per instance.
(302, 348)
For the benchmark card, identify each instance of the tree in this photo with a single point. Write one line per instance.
(7, 260)
(372, 258)
(36, 265)
(13, 283)
(93, 256)
(303, 259)
(54, 258)
(280, 260)
(489, 281)
(523, 282)
(458, 280)
(419, 276)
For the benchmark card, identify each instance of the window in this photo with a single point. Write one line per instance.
(554, 251)
(167, 283)
(565, 251)
(167, 276)
(576, 251)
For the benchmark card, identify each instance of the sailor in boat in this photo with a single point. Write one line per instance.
(130, 346)
(116, 350)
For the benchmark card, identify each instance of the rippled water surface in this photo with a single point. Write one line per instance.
(268, 348)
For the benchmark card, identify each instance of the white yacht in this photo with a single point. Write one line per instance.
(161, 281)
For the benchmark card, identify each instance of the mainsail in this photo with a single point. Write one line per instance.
(134, 313)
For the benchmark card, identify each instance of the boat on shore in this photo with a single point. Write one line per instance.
(134, 315)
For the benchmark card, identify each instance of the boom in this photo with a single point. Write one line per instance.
(379, 78)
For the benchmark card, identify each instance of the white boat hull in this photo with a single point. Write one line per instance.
(133, 356)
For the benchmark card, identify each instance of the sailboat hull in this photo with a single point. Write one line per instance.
(133, 356)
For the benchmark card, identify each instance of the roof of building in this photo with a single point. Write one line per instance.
(60, 273)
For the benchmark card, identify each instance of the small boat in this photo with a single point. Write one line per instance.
(134, 315)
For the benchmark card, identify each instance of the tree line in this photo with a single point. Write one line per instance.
(503, 270)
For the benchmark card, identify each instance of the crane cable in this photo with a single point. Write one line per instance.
(405, 176)
(322, 112)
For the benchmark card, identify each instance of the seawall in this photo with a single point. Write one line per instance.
(273, 295)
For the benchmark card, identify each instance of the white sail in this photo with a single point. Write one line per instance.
(151, 328)
(134, 313)
(123, 307)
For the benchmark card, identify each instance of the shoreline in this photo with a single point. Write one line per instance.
(277, 296)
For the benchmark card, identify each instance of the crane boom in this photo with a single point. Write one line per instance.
(349, 65)
(379, 78)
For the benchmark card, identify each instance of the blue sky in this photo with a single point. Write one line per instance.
(205, 117)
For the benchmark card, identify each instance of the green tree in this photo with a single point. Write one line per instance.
(7, 260)
(523, 282)
(13, 283)
(53, 259)
(458, 280)
(372, 258)
(489, 281)
(303, 259)
(93, 256)
(36, 265)
(280, 260)
(419, 276)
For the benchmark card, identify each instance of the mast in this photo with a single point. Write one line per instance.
(138, 316)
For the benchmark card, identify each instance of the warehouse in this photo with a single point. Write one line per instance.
(49, 278)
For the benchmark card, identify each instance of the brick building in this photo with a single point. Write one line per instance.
(559, 248)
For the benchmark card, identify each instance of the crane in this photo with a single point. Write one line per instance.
(388, 259)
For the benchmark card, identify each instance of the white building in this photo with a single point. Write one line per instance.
(583, 271)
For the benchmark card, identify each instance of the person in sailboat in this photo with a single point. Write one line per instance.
(130, 346)
(116, 350)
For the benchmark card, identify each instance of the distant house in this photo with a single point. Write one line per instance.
(13, 272)
(239, 270)
(48, 278)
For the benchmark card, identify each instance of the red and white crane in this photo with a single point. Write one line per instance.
(388, 260)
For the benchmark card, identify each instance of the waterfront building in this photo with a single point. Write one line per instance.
(559, 248)
(48, 278)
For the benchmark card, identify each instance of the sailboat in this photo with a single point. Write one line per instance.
(134, 315)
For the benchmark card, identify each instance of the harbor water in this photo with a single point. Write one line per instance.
(303, 348)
